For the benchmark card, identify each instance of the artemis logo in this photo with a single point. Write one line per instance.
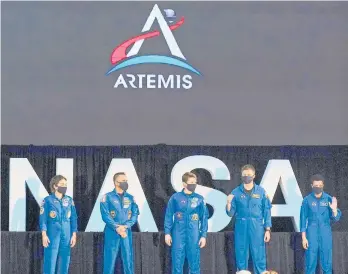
(120, 59)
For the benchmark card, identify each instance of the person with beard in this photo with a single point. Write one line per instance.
(186, 226)
(318, 211)
(58, 224)
(252, 207)
(120, 212)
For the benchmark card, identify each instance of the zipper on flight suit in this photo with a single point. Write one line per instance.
(187, 226)
(317, 220)
(61, 217)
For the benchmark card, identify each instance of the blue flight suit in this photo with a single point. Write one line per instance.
(59, 219)
(186, 220)
(315, 219)
(115, 211)
(253, 215)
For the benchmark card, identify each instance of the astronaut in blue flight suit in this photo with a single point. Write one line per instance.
(58, 223)
(186, 226)
(119, 212)
(252, 207)
(318, 210)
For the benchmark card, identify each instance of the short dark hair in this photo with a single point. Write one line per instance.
(188, 175)
(118, 174)
(245, 167)
(55, 180)
(317, 177)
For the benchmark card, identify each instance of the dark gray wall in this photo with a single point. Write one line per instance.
(274, 73)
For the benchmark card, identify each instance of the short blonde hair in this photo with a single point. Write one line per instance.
(188, 175)
(245, 167)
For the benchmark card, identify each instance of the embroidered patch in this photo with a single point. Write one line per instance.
(179, 215)
(314, 204)
(194, 217)
(129, 214)
(41, 210)
(242, 196)
(257, 196)
(126, 201)
(68, 214)
(65, 202)
(53, 214)
(324, 204)
(194, 202)
(112, 213)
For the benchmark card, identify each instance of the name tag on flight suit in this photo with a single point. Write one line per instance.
(257, 196)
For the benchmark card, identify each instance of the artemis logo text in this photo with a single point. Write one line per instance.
(120, 59)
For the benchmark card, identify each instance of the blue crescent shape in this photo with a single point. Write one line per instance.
(153, 59)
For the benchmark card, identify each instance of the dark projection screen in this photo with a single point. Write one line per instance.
(273, 73)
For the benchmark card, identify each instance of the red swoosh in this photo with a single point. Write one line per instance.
(119, 53)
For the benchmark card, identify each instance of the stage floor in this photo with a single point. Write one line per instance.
(22, 253)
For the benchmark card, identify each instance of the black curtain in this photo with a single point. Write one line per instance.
(154, 165)
(22, 253)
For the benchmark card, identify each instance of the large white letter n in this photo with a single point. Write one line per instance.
(21, 173)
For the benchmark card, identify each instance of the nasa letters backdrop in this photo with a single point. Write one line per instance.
(157, 89)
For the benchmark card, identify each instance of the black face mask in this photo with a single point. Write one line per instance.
(191, 187)
(62, 189)
(124, 186)
(317, 190)
(247, 179)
